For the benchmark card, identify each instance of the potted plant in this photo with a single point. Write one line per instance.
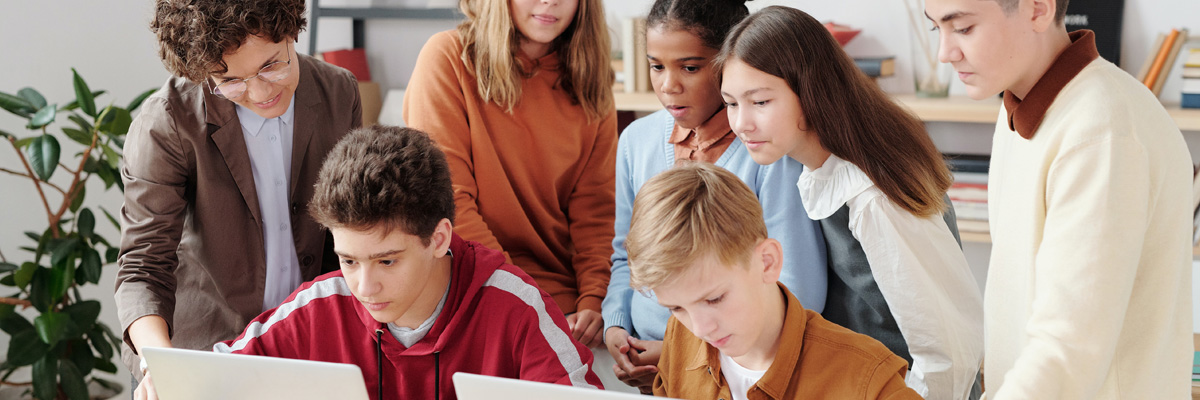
(64, 343)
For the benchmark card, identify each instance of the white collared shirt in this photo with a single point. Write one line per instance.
(920, 270)
(269, 142)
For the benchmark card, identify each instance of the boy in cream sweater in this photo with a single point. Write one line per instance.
(1089, 286)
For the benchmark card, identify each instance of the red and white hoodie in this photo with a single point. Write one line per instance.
(496, 321)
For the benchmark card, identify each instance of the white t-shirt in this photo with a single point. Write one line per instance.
(740, 379)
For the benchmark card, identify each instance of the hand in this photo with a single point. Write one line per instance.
(585, 327)
(629, 371)
(145, 389)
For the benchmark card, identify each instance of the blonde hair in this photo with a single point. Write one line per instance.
(491, 42)
(692, 211)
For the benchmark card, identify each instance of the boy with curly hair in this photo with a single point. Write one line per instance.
(219, 170)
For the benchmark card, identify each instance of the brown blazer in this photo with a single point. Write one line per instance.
(816, 359)
(191, 241)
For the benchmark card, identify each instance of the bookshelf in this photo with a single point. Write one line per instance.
(950, 109)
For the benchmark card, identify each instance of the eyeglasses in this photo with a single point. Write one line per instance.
(273, 72)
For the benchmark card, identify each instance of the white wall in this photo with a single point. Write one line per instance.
(111, 46)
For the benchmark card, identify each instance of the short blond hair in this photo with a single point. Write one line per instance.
(686, 213)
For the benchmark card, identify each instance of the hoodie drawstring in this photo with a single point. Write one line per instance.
(437, 375)
(379, 359)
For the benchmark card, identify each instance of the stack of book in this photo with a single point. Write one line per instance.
(1162, 56)
(968, 193)
(1191, 79)
(877, 67)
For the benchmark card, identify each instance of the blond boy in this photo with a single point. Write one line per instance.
(697, 242)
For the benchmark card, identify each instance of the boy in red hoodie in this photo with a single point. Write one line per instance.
(413, 303)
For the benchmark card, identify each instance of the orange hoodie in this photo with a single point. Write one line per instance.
(536, 184)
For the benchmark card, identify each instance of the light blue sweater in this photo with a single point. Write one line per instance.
(642, 152)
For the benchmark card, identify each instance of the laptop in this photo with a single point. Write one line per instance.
(192, 374)
(482, 387)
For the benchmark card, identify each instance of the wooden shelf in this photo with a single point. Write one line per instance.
(949, 109)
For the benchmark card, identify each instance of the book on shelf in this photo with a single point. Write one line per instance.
(1145, 70)
(1164, 59)
(967, 162)
(973, 225)
(1190, 90)
(968, 196)
(1171, 57)
(876, 67)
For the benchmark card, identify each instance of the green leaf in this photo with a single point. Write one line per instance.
(110, 218)
(43, 156)
(111, 156)
(103, 348)
(78, 200)
(78, 136)
(45, 378)
(106, 365)
(23, 143)
(42, 243)
(39, 290)
(8, 267)
(83, 124)
(43, 117)
(116, 121)
(6, 134)
(86, 222)
(63, 249)
(73, 105)
(33, 235)
(6, 310)
(8, 280)
(83, 95)
(89, 268)
(137, 101)
(61, 277)
(72, 381)
(25, 348)
(33, 97)
(14, 324)
(17, 105)
(51, 326)
(106, 175)
(81, 355)
(111, 255)
(24, 275)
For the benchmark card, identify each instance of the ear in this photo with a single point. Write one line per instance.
(441, 238)
(1043, 14)
(769, 254)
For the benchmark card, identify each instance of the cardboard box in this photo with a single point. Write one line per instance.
(372, 102)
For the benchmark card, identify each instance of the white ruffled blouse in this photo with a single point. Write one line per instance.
(920, 270)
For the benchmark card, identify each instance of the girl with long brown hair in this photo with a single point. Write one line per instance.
(520, 99)
(876, 183)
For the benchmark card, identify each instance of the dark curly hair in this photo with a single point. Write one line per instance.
(711, 20)
(384, 177)
(194, 35)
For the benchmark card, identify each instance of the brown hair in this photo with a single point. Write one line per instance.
(491, 42)
(691, 211)
(194, 35)
(1060, 8)
(852, 117)
(384, 177)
